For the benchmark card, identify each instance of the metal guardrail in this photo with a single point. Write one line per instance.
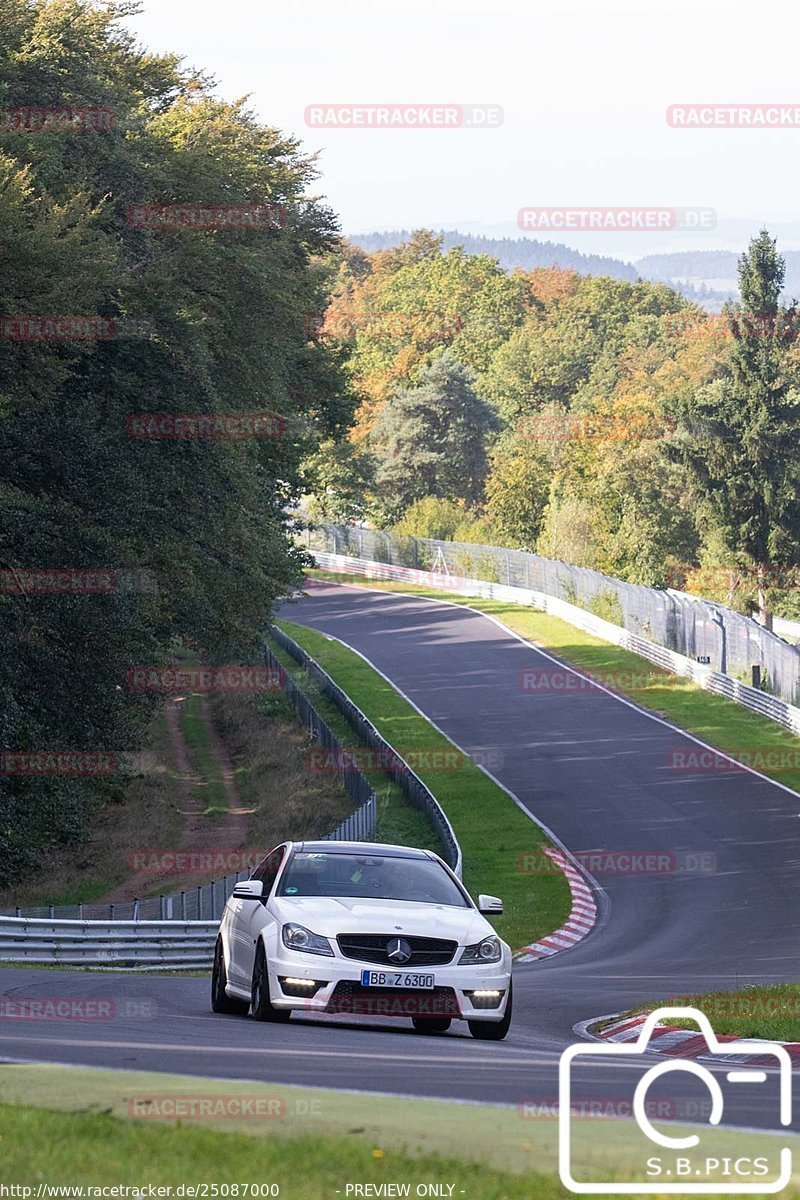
(415, 791)
(713, 681)
(703, 630)
(188, 945)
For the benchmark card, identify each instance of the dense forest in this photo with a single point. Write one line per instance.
(188, 536)
(607, 423)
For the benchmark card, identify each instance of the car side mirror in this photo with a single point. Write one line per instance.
(489, 905)
(249, 889)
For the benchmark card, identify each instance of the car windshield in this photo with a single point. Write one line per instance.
(370, 876)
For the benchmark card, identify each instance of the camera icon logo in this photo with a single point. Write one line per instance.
(704, 1171)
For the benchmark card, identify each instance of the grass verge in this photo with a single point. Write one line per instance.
(490, 828)
(722, 723)
(66, 1125)
(769, 1011)
(210, 790)
(269, 752)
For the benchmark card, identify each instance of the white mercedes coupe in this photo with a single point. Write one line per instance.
(352, 927)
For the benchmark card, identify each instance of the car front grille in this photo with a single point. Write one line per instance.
(350, 997)
(371, 948)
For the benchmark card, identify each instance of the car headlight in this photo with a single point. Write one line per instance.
(487, 951)
(297, 937)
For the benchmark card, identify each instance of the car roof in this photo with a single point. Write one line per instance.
(372, 848)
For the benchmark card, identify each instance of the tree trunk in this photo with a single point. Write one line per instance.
(764, 615)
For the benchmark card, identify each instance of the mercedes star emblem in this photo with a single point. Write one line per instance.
(398, 950)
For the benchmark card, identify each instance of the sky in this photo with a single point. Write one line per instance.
(584, 87)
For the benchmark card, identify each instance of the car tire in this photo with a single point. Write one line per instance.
(493, 1031)
(261, 1005)
(221, 1002)
(431, 1024)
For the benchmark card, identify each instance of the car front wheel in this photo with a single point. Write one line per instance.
(261, 1004)
(221, 1002)
(493, 1031)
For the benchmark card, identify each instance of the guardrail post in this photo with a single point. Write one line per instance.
(52, 911)
(183, 906)
(199, 903)
(135, 909)
(161, 907)
(80, 912)
(111, 912)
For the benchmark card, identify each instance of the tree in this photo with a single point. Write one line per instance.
(413, 303)
(739, 435)
(339, 477)
(430, 440)
(568, 349)
(202, 525)
(516, 491)
(431, 517)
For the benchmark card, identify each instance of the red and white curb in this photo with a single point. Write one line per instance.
(681, 1043)
(581, 918)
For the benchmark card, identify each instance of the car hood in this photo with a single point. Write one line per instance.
(330, 917)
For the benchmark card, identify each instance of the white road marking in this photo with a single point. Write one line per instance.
(188, 1047)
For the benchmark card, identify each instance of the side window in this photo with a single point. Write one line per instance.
(267, 871)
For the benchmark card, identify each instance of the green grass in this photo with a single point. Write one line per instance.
(211, 791)
(769, 1011)
(492, 831)
(74, 893)
(722, 723)
(68, 1149)
(66, 1126)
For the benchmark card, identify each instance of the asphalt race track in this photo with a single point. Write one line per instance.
(598, 773)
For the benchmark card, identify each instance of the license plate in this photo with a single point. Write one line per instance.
(395, 979)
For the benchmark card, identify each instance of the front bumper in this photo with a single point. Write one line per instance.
(338, 988)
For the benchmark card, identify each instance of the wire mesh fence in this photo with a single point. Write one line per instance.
(409, 783)
(711, 633)
(351, 778)
(202, 903)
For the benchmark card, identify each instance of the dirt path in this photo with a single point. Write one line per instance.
(222, 834)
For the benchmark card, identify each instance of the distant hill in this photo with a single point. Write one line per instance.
(689, 264)
(526, 253)
(689, 277)
(715, 269)
(707, 277)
